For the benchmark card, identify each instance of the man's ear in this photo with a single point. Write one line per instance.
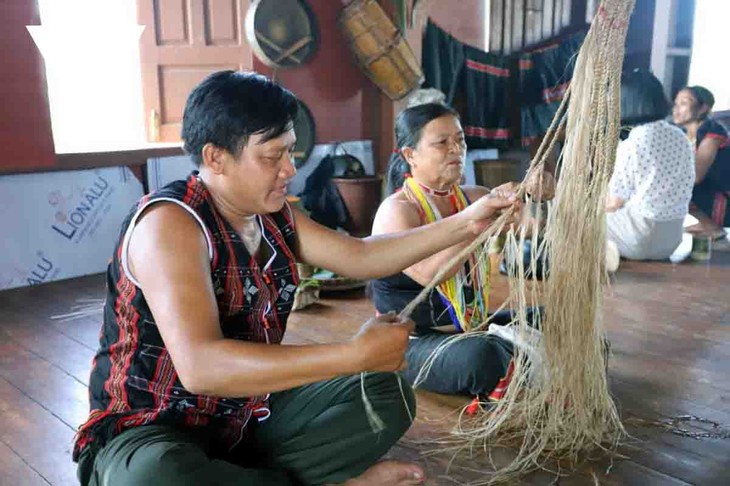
(214, 158)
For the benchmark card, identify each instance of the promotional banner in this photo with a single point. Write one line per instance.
(58, 225)
(164, 170)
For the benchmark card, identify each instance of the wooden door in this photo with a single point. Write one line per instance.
(183, 42)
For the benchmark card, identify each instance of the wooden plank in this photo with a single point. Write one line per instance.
(565, 21)
(694, 460)
(518, 25)
(548, 7)
(446, 467)
(26, 315)
(84, 330)
(325, 322)
(533, 22)
(657, 450)
(508, 23)
(668, 325)
(62, 352)
(34, 300)
(654, 451)
(56, 391)
(558, 16)
(496, 25)
(660, 457)
(39, 438)
(15, 471)
(638, 473)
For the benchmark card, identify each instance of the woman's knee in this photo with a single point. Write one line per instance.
(473, 365)
(485, 363)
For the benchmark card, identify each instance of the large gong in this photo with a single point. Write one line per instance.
(282, 33)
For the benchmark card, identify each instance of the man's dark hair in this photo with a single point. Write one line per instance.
(408, 130)
(642, 98)
(228, 107)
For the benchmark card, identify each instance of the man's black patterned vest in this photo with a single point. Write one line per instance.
(133, 381)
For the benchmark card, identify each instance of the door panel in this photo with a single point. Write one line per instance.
(221, 28)
(175, 83)
(183, 42)
(171, 22)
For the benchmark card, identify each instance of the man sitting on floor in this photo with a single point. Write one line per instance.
(190, 384)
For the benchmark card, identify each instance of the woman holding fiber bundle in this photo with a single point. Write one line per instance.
(424, 177)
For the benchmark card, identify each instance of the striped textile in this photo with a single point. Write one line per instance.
(474, 81)
(133, 379)
(544, 76)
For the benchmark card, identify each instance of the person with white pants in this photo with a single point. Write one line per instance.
(651, 185)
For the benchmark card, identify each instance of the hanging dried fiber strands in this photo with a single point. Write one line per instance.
(558, 405)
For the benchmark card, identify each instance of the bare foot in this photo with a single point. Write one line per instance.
(706, 229)
(705, 226)
(389, 473)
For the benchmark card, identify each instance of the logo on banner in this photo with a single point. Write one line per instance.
(40, 271)
(80, 213)
(43, 271)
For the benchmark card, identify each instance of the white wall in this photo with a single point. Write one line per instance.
(711, 43)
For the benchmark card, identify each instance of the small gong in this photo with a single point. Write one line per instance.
(282, 33)
(306, 133)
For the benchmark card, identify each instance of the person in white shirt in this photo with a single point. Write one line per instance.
(651, 186)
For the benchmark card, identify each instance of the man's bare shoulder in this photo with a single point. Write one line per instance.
(167, 218)
(167, 232)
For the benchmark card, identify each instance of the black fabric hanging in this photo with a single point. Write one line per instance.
(443, 61)
(544, 76)
(486, 80)
(480, 78)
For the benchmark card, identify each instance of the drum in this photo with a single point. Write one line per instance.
(380, 49)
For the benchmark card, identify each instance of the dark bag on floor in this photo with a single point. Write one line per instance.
(321, 197)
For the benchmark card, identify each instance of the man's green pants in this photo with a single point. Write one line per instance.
(316, 434)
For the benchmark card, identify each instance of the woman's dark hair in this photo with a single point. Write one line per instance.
(704, 97)
(408, 129)
(642, 98)
(228, 107)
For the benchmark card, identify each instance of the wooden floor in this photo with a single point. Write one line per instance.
(669, 326)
